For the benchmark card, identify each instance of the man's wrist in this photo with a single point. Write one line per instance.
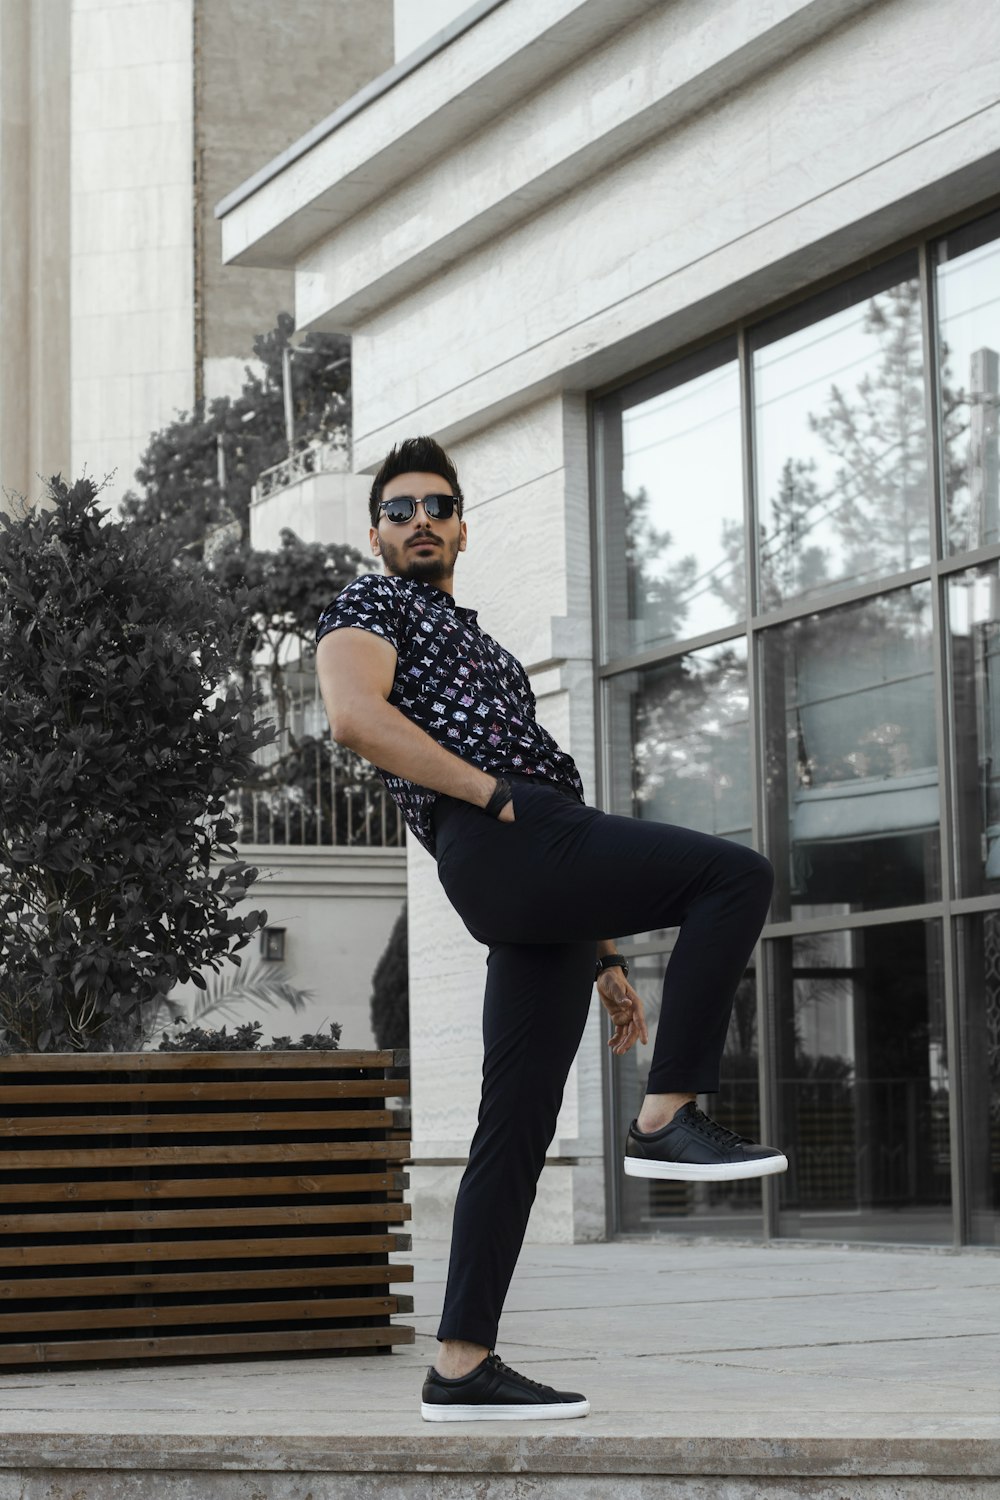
(499, 797)
(611, 961)
(486, 784)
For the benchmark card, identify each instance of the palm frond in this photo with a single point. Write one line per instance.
(265, 985)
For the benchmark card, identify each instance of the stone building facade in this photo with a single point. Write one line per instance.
(566, 235)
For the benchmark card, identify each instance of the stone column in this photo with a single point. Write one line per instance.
(34, 245)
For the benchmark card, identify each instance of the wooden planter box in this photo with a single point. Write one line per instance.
(180, 1205)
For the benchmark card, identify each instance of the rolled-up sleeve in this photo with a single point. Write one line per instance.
(370, 603)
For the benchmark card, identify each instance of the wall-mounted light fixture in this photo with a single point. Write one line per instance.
(272, 944)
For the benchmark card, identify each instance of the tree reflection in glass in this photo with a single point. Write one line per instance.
(674, 507)
(974, 641)
(686, 723)
(851, 764)
(863, 1082)
(841, 444)
(967, 283)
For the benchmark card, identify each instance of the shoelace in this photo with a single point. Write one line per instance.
(715, 1130)
(496, 1363)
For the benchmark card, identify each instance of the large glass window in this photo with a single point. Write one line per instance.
(674, 512)
(979, 1032)
(682, 737)
(843, 473)
(974, 639)
(968, 301)
(844, 720)
(693, 1207)
(851, 766)
(863, 1083)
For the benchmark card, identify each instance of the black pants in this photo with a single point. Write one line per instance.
(540, 892)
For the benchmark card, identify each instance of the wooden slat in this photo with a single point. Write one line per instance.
(31, 1288)
(166, 1062)
(186, 1346)
(333, 1119)
(243, 1186)
(217, 1154)
(202, 1092)
(312, 1310)
(114, 1221)
(163, 1250)
(133, 1233)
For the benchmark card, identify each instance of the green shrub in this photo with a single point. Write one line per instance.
(246, 1038)
(121, 733)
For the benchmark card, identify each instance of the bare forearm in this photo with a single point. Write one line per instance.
(391, 741)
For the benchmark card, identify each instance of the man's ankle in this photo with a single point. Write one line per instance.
(659, 1109)
(456, 1358)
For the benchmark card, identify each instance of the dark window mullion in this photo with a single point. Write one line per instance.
(659, 656)
(944, 699)
(944, 731)
(604, 415)
(766, 1041)
(882, 916)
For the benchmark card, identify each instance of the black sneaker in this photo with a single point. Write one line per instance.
(494, 1392)
(693, 1148)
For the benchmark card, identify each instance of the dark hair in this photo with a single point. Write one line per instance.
(419, 455)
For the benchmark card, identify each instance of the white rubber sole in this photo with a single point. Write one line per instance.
(679, 1171)
(431, 1412)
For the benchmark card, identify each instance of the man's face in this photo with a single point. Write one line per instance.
(421, 549)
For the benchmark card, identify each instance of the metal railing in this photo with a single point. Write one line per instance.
(319, 457)
(309, 791)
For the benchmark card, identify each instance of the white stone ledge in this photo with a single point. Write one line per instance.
(330, 869)
(670, 64)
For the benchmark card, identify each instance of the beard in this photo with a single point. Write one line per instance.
(426, 569)
(404, 562)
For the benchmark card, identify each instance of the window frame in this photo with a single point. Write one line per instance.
(605, 407)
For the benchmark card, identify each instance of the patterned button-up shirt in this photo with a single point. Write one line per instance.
(455, 682)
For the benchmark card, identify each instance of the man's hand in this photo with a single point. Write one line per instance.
(625, 1009)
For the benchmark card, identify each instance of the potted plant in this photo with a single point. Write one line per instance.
(156, 1204)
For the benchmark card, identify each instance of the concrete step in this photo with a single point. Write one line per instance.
(715, 1372)
(475, 1461)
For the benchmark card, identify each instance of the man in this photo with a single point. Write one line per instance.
(413, 684)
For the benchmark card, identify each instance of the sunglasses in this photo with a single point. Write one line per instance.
(402, 508)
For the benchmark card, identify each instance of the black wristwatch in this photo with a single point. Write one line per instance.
(611, 961)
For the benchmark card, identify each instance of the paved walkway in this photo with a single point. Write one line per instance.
(698, 1359)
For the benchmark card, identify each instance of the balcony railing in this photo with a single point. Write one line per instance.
(332, 457)
(308, 790)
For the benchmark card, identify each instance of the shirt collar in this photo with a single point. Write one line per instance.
(441, 597)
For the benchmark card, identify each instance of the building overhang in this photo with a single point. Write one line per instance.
(479, 73)
(564, 191)
(449, 89)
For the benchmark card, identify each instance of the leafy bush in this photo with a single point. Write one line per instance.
(390, 1001)
(290, 587)
(246, 1038)
(121, 733)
